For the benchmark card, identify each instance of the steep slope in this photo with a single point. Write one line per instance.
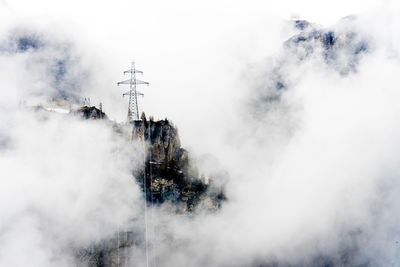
(169, 177)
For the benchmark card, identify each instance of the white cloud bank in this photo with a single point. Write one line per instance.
(314, 178)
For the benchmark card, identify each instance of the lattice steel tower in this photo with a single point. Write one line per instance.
(133, 108)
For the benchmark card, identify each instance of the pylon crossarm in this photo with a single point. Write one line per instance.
(137, 93)
(130, 81)
(125, 82)
(141, 82)
(133, 71)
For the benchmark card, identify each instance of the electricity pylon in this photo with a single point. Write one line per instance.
(133, 107)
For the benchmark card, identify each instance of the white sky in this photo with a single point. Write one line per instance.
(193, 53)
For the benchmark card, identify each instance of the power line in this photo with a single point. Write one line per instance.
(153, 250)
(145, 207)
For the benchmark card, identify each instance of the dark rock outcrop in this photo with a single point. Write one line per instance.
(169, 177)
(338, 48)
(91, 113)
(341, 46)
(169, 174)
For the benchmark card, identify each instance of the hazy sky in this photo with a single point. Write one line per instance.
(193, 53)
(317, 173)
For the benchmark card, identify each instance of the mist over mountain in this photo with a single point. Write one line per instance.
(52, 63)
(270, 141)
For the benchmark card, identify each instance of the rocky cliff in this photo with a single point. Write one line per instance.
(168, 170)
(91, 113)
(167, 175)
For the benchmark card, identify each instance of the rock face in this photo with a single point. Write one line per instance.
(168, 172)
(91, 113)
(338, 48)
(169, 177)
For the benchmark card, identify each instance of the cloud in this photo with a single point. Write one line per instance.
(65, 185)
(310, 145)
(310, 174)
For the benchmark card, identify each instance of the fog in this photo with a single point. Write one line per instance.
(313, 167)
